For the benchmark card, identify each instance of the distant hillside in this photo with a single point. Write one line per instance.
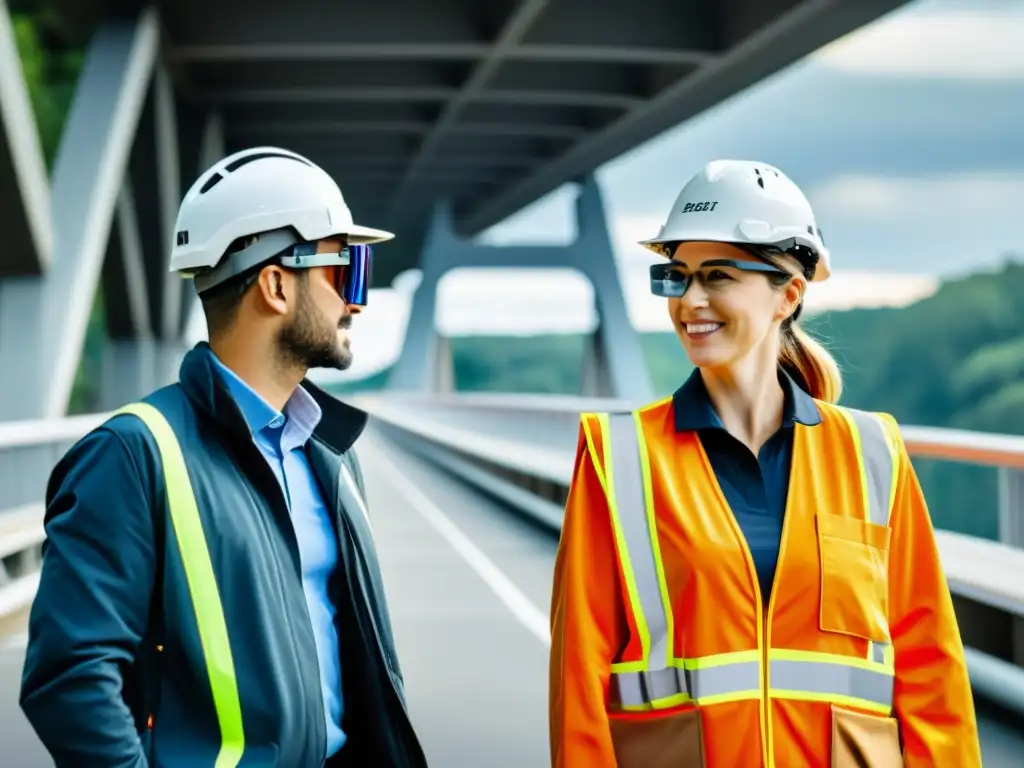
(955, 359)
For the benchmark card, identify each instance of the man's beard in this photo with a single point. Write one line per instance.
(310, 340)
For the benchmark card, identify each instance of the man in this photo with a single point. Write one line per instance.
(281, 652)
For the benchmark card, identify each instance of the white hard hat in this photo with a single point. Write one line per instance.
(745, 203)
(258, 190)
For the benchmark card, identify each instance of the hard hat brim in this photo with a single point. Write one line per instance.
(360, 235)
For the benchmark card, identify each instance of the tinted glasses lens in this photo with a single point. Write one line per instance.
(356, 285)
(668, 282)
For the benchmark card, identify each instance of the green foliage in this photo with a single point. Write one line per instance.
(50, 76)
(545, 364)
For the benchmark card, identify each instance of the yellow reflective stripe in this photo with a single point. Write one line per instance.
(652, 527)
(876, 457)
(801, 675)
(620, 536)
(202, 584)
(817, 657)
(831, 677)
(877, 462)
(697, 662)
(634, 519)
(891, 431)
(596, 460)
(707, 680)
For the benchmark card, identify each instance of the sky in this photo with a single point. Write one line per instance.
(907, 136)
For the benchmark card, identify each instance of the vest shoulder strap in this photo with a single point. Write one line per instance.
(628, 490)
(877, 449)
(202, 584)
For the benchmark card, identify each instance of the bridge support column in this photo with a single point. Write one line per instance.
(144, 302)
(594, 378)
(134, 367)
(24, 186)
(127, 148)
(43, 317)
(617, 354)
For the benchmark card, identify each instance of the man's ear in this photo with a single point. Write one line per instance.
(276, 288)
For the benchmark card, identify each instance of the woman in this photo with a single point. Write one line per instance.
(747, 574)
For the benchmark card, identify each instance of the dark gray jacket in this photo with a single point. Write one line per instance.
(113, 592)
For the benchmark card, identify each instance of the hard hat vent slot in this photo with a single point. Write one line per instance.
(210, 183)
(235, 165)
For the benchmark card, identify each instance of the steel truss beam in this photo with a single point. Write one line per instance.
(617, 350)
(43, 319)
(24, 188)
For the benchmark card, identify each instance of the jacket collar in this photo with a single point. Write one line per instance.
(339, 428)
(693, 410)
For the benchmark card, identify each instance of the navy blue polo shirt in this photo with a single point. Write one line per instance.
(756, 487)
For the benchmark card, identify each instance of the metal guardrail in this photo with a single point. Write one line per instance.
(28, 452)
(521, 450)
(554, 420)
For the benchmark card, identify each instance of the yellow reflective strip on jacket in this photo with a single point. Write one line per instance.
(621, 431)
(202, 584)
(620, 537)
(652, 526)
(805, 675)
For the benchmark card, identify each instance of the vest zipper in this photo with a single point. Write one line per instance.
(764, 630)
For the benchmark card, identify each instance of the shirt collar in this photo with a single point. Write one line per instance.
(693, 410)
(300, 417)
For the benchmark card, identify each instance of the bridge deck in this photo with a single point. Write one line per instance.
(469, 584)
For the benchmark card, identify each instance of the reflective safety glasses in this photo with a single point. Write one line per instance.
(351, 268)
(669, 281)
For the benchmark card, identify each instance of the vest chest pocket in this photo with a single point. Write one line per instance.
(854, 558)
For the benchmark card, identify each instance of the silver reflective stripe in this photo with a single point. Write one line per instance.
(636, 689)
(830, 681)
(628, 488)
(878, 464)
(878, 652)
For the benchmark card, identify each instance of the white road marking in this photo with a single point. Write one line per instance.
(528, 614)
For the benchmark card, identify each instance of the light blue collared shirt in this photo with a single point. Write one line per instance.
(281, 438)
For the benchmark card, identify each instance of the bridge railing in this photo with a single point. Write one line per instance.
(521, 449)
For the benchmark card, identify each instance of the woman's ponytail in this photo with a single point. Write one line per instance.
(810, 364)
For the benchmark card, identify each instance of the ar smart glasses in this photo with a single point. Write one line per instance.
(351, 268)
(670, 282)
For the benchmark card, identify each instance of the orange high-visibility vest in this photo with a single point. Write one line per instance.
(664, 653)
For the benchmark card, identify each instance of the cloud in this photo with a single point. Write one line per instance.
(938, 224)
(938, 197)
(935, 41)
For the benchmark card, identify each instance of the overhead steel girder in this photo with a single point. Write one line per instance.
(24, 186)
(618, 351)
(43, 321)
